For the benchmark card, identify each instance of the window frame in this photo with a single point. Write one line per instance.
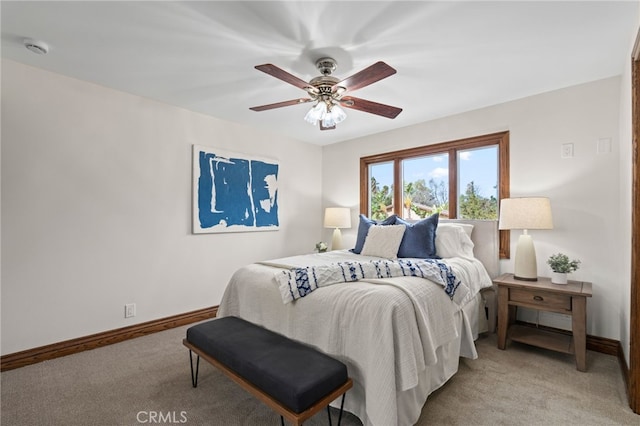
(501, 139)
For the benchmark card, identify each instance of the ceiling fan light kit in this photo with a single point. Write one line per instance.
(328, 92)
(328, 112)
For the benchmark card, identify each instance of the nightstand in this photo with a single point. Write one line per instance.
(542, 295)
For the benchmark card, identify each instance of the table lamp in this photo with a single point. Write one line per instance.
(525, 213)
(336, 218)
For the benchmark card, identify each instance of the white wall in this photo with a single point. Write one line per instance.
(96, 199)
(584, 190)
(96, 208)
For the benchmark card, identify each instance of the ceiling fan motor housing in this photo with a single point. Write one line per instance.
(323, 85)
(326, 65)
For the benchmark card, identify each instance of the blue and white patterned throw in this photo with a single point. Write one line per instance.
(295, 283)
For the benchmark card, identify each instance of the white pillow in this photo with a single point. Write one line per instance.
(383, 241)
(453, 241)
(468, 228)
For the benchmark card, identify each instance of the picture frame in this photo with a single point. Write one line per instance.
(233, 192)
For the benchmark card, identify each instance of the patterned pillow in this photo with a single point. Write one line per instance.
(383, 241)
(363, 229)
(420, 238)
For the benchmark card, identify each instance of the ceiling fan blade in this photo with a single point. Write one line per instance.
(281, 104)
(283, 75)
(367, 76)
(370, 107)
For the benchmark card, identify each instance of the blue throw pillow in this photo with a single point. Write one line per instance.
(363, 230)
(419, 238)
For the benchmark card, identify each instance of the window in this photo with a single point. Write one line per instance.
(478, 183)
(381, 190)
(458, 179)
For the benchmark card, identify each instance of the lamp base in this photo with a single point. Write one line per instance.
(336, 241)
(515, 277)
(525, 268)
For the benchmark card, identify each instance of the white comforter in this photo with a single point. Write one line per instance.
(387, 331)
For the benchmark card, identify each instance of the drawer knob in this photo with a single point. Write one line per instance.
(538, 298)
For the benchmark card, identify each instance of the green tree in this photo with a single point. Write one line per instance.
(472, 205)
(421, 193)
(439, 193)
(381, 198)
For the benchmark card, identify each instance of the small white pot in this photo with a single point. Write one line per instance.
(558, 277)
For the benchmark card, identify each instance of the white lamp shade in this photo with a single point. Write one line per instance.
(337, 217)
(316, 113)
(333, 116)
(525, 213)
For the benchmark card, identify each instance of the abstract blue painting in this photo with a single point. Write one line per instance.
(233, 192)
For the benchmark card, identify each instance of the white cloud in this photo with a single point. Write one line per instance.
(465, 155)
(439, 172)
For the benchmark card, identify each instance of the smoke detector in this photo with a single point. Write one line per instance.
(35, 46)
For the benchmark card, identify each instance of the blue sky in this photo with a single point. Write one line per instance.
(478, 165)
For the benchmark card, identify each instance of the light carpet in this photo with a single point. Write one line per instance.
(147, 381)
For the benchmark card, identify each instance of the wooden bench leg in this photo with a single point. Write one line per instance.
(194, 378)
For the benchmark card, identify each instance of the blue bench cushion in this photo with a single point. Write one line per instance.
(295, 374)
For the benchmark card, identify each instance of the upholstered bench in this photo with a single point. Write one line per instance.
(294, 379)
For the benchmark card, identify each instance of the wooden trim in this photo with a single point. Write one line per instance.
(80, 344)
(501, 139)
(364, 191)
(274, 404)
(453, 183)
(604, 346)
(398, 190)
(504, 244)
(623, 366)
(467, 143)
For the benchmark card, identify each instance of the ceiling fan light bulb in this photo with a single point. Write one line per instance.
(328, 121)
(338, 114)
(316, 113)
(309, 118)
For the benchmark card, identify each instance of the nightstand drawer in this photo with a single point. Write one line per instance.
(540, 298)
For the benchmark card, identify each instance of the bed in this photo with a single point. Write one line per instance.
(400, 337)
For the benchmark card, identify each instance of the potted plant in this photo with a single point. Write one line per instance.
(321, 247)
(561, 266)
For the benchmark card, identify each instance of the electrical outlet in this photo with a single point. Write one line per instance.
(130, 310)
(567, 150)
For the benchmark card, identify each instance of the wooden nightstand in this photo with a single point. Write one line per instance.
(569, 299)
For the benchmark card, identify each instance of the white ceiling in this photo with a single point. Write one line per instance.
(450, 56)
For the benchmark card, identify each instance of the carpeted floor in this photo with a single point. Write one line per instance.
(147, 381)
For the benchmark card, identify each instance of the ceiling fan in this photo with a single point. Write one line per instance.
(328, 92)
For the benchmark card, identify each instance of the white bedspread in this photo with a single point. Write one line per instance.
(387, 331)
